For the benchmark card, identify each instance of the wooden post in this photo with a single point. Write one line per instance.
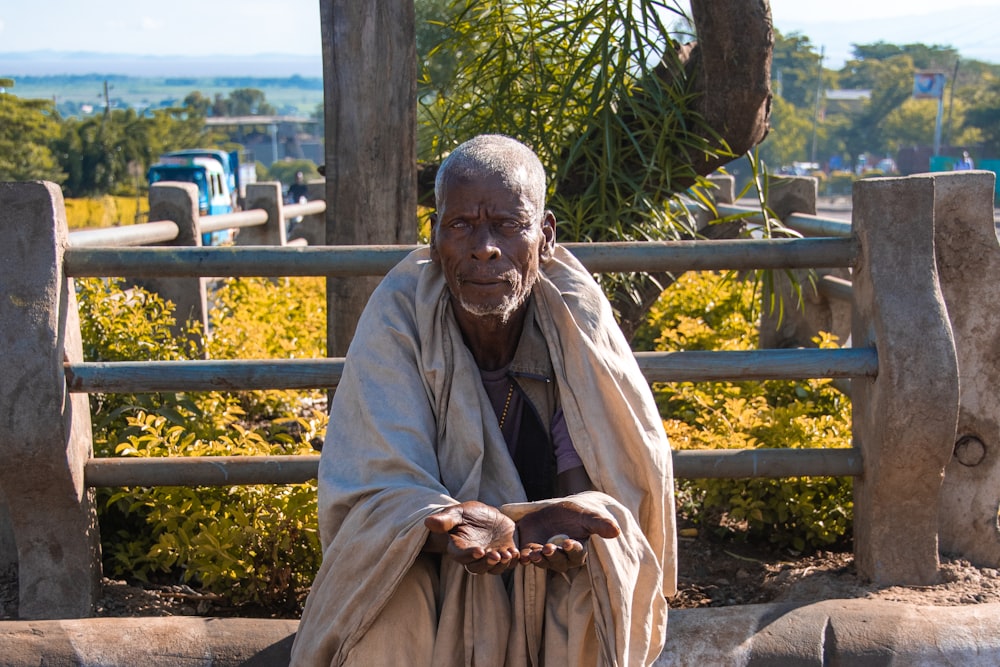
(179, 202)
(968, 257)
(369, 81)
(45, 433)
(905, 418)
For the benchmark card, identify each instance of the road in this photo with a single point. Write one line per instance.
(839, 208)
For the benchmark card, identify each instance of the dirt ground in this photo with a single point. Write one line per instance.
(713, 573)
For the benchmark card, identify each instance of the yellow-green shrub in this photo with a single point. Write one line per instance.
(105, 211)
(705, 311)
(253, 543)
(264, 318)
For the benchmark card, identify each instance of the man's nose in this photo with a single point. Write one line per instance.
(484, 242)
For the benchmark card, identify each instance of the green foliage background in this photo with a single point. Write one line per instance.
(575, 81)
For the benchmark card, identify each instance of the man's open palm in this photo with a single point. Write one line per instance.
(482, 537)
(567, 523)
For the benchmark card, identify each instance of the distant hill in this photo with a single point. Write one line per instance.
(53, 63)
(293, 84)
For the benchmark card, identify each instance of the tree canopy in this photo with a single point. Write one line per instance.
(28, 129)
(889, 119)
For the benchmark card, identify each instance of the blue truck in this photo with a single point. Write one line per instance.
(217, 174)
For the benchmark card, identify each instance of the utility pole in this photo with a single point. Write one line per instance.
(951, 103)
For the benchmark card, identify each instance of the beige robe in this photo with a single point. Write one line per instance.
(412, 431)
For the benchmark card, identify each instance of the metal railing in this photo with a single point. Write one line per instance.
(376, 260)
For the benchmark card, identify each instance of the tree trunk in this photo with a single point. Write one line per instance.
(369, 86)
(730, 67)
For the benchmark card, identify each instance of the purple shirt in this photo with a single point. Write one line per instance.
(498, 385)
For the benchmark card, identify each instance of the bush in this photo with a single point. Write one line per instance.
(105, 211)
(252, 544)
(705, 311)
(840, 183)
(263, 318)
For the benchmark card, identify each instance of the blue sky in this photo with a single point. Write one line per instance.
(245, 27)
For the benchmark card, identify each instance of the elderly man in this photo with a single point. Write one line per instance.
(495, 488)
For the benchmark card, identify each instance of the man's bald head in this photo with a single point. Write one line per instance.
(494, 154)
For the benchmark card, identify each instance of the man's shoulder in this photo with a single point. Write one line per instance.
(401, 288)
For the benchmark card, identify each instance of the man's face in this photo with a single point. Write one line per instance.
(489, 239)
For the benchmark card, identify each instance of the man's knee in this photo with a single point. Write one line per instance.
(404, 630)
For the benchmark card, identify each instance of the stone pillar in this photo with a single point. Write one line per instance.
(905, 417)
(798, 314)
(45, 432)
(179, 202)
(968, 257)
(274, 232)
(312, 228)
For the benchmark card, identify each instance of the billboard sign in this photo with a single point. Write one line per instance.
(928, 85)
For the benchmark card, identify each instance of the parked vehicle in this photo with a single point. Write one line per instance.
(215, 172)
(239, 172)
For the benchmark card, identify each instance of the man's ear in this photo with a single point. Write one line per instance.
(548, 236)
(434, 253)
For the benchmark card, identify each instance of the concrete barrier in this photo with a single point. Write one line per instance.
(852, 632)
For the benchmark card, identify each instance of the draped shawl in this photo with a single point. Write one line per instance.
(412, 431)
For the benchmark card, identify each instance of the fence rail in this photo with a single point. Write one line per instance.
(805, 223)
(236, 470)
(232, 375)
(377, 260)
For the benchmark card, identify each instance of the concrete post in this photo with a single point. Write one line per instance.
(312, 228)
(791, 194)
(968, 257)
(274, 232)
(179, 202)
(45, 432)
(785, 321)
(905, 417)
(725, 188)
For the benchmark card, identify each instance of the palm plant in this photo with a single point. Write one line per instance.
(607, 97)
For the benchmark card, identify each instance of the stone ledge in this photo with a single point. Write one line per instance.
(833, 632)
(823, 633)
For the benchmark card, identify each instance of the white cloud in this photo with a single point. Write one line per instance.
(862, 10)
(148, 23)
